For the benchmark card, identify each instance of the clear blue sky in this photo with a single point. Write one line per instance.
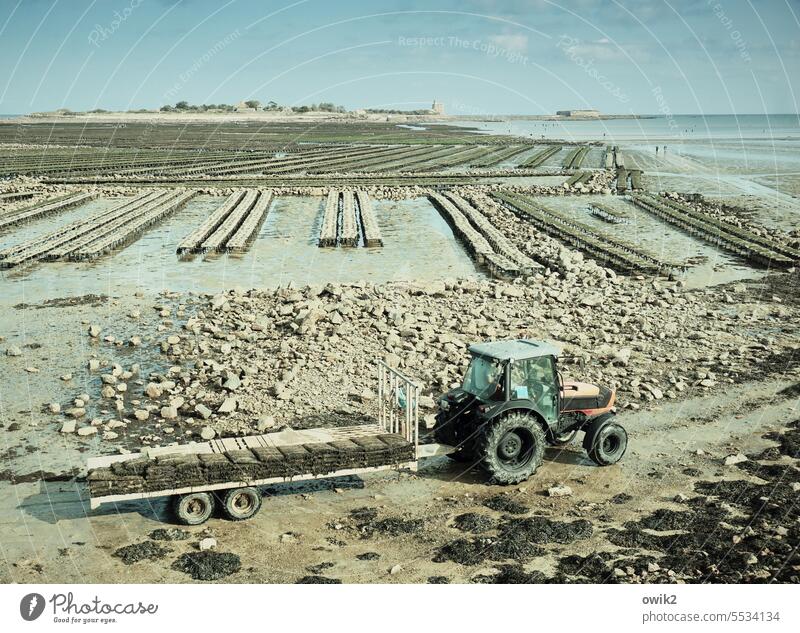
(476, 56)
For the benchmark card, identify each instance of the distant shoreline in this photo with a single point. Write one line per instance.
(272, 116)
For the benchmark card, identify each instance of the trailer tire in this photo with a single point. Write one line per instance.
(606, 442)
(511, 448)
(193, 508)
(240, 504)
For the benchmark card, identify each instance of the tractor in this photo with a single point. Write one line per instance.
(513, 402)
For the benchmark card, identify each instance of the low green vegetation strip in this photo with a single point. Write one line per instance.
(130, 231)
(734, 239)
(46, 208)
(99, 233)
(607, 251)
(224, 134)
(579, 177)
(496, 238)
(474, 241)
(540, 157)
(499, 156)
(348, 233)
(99, 230)
(328, 228)
(15, 196)
(246, 233)
(219, 238)
(607, 214)
(622, 180)
(192, 242)
(576, 157)
(369, 224)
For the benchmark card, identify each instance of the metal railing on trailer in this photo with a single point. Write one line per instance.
(398, 404)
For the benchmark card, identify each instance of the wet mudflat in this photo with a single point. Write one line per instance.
(418, 244)
(705, 264)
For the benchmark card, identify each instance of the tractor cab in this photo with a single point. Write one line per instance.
(516, 384)
(515, 374)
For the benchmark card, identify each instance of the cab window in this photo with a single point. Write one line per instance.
(536, 379)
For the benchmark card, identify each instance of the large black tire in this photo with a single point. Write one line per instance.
(511, 448)
(194, 508)
(239, 504)
(605, 442)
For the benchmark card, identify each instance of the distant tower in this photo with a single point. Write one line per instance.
(437, 107)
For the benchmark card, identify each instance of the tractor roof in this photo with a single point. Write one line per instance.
(519, 349)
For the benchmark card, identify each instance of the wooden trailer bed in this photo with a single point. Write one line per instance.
(248, 461)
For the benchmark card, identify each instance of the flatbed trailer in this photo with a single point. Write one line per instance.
(245, 463)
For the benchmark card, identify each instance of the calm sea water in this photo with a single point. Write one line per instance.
(9, 116)
(677, 128)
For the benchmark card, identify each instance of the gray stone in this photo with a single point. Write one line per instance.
(153, 390)
(265, 422)
(203, 411)
(169, 413)
(732, 460)
(207, 433)
(228, 406)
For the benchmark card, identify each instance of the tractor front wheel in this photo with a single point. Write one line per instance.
(511, 448)
(606, 443)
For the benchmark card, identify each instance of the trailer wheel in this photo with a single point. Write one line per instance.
(194, 508)
(512, 448)
(241, 503)
(606, 443)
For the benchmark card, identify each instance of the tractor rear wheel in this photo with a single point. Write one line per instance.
(511, 448)
(606, 443)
